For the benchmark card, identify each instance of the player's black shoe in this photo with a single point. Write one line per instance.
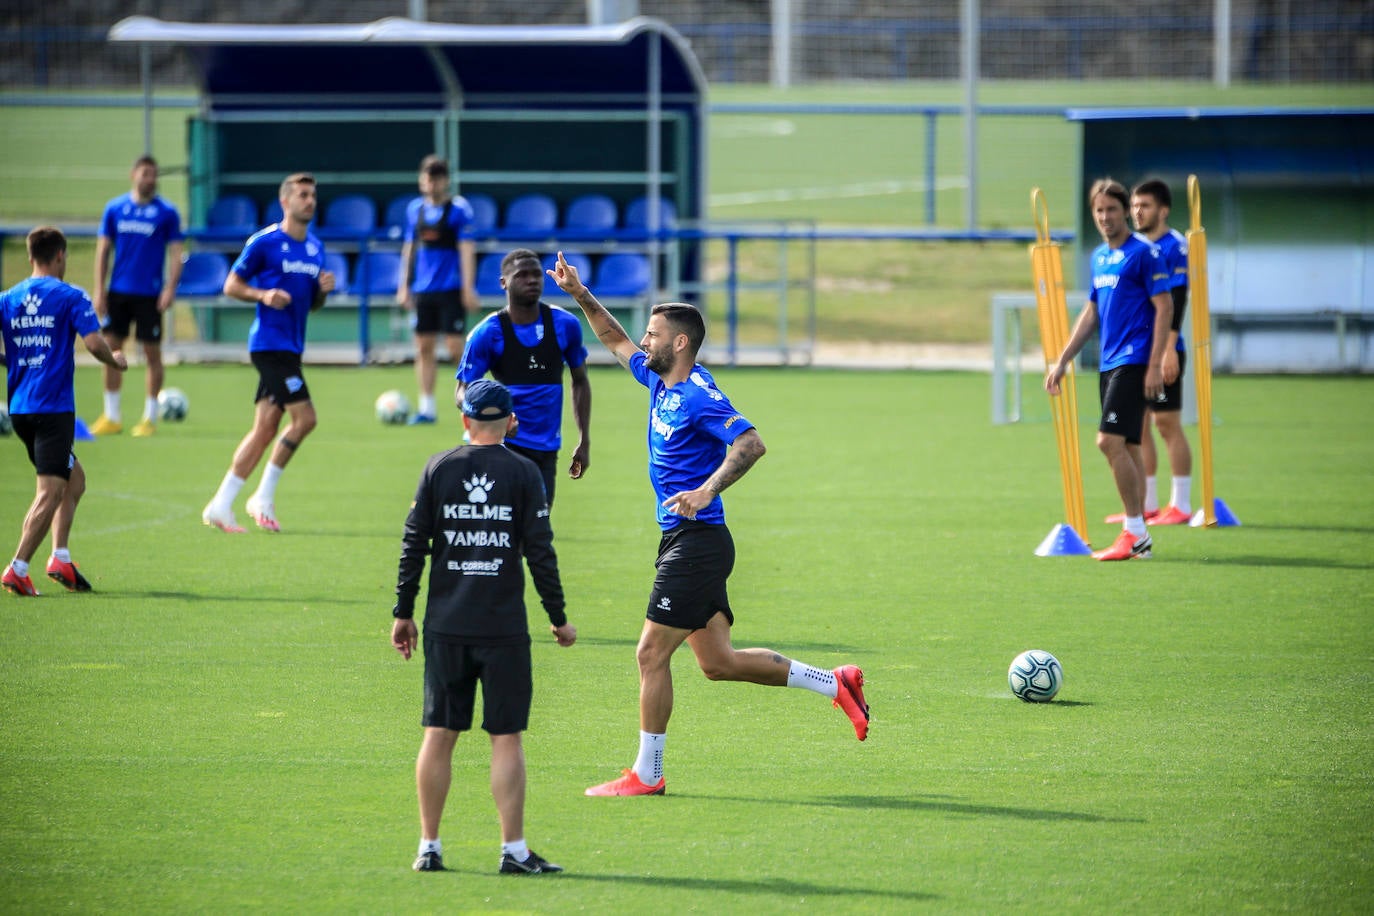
(534, 865)
(429, 861)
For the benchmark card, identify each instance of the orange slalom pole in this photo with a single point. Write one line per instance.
(1202, 344)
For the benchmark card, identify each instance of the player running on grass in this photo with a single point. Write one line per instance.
(698, 445)
(39, 319)
(286, 261)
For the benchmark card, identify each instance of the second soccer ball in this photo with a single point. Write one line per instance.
(392, 407)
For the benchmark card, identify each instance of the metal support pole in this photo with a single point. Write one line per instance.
(969, 29)
(145, 71)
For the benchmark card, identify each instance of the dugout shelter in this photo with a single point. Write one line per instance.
(615, 112)
(1288, 206)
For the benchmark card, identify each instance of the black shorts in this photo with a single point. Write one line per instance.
(1122, 391)
(279, 377)
(440, 312)
(124, 309)
(694, 561)
(1171, 398)
(452, 673)
(547, 462)
(48, 439)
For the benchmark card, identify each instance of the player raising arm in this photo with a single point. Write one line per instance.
(698, 446)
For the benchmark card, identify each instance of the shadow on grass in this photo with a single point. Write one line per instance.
(939, 803)
(1275, 562)
(292, 602)
(780, 886)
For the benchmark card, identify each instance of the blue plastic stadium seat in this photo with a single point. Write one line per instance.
(489, 275)
(590, 214)
(535, 214)
(637, 213)
(232, 215)
(336, 262)
(203, 274)
(483, 212)
(379, 273)
(395, 220)
(575, 259)
(352, 214)
(622, 275)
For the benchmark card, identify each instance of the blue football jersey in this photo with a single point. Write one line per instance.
(1123, 280)
(434, 239)
(538, 407)
(274, 260)
(42, 317)
(140, 233)
(1173, 251)
(691, 426)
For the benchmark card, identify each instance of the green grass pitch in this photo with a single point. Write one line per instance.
(223, 727)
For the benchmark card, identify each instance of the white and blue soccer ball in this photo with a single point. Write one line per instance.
(172, 404)
(392, 407)
(6, 426)
(1035, 676)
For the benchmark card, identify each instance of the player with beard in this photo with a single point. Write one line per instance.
(698, 445)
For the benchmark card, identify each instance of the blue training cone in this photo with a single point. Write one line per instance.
(1063, 541)
(82, 432)
(1225, 517)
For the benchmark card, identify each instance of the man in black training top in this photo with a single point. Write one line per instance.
(478, 509)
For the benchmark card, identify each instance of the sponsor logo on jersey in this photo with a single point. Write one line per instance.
(478, 512)
(309, 268)
(477, 567)
(477, 538)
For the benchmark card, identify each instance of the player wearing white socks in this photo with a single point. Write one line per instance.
(699, 444)
(286, 262)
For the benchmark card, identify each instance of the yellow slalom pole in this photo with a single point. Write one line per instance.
(1047, 271)
(1202, 344)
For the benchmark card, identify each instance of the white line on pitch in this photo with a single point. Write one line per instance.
(831, 192)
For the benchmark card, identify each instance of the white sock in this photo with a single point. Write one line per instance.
(1182, 490)
(649, 764)
(150, 409)
(516, 849)
(112, 406)
(1135, 524)
(808, 678)
(21, 568)
(228, 491)
(1151, 493)
(427, 405)
(267, 487)
(64, 555)
(430, 846)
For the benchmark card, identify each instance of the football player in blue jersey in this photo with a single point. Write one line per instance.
(1131, 307)
(525, 346)
(39, 320)
(144, 232)
(1150, 204)
(438, 275)
(282, 270)
(699, 444)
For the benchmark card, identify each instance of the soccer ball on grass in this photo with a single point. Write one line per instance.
(172, 404)
(1035, 676)
(6, 427)
(392, 407)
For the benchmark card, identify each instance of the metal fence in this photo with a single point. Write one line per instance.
(61, 44)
